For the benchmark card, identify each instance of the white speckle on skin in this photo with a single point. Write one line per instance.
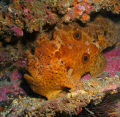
(88, 51)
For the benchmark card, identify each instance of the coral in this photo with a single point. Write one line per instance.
(3, 94)
(12, 61)
(15, 75)
(13, 89)
(60, 62)
(24, 15)
(113, 58)
(109, 5)
(80, 11)
(13, 54)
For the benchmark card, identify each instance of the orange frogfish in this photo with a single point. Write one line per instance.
(72, 51)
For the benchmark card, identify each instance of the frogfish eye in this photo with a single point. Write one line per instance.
(77, 35)
(85, 58)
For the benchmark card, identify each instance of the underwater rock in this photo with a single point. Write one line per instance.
(22, 16)
(60, 62)
(70, 104)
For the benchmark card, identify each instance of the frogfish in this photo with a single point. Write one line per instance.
(59, 61)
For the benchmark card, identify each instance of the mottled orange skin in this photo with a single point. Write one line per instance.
(60, 62)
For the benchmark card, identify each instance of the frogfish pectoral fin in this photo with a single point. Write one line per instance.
(28, 78)
(53, 94)
(98, 66)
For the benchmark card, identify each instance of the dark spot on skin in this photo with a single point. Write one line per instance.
(105, 33)
(67, 68)
(94, 40)
(48, 7)
(62, 62)
(95, 37)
